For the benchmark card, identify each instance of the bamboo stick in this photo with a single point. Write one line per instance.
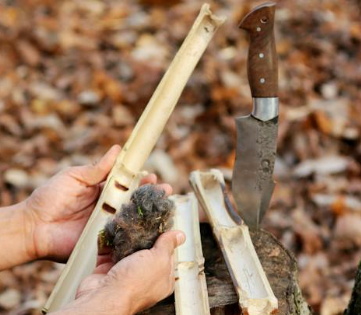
(123, 178)
(254, 291)
(191, 295)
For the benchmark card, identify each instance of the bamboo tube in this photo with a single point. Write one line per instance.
(123, 178)
(254, 291)
(191, 295)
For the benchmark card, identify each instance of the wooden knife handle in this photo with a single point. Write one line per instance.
(262, 55)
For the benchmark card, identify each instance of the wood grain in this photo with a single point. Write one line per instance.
(262, 56)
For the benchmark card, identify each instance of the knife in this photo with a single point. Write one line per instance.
(252, 182)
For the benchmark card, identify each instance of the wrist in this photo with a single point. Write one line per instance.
(29, 226)
(16, 236)
(39, 231)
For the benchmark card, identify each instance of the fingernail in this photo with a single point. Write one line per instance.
(180, 238)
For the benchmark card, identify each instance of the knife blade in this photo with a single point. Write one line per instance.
(252, 182)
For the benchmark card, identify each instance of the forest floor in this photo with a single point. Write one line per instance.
(76, 75)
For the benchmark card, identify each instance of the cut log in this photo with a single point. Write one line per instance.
(278, 264)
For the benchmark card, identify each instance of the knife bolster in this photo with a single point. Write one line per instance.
(265, 108)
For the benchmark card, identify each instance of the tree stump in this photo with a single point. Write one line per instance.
(355, 303)
(278, 263)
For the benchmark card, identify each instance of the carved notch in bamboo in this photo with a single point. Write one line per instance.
(254, 291)
(191, 295)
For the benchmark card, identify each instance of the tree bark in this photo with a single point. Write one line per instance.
(278, 263)
(354, 306)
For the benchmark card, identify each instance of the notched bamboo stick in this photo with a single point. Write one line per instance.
(191, 295)
(254, 291)
(123, 178)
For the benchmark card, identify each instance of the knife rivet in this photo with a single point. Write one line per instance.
(261, 55)
(258, 29)
(262, 80)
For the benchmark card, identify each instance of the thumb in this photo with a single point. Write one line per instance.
(168, 241)
(95, 174)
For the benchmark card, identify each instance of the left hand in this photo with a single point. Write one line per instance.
(59, 210)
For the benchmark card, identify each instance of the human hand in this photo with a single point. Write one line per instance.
(59, 210)
(135, 283)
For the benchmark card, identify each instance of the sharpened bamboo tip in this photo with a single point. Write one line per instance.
(218, 20)
(160, 106)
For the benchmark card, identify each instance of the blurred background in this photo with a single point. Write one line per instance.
(75, 76)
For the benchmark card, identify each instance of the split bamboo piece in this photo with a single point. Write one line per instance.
(123, 178)
(191, 295)
(254, 291)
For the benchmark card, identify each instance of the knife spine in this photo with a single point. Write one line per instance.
(191, 294)
(253, 289)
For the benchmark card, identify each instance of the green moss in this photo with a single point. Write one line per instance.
(140, 212)
(103, 240)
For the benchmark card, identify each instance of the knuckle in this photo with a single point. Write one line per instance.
(71, 169)
(147, 254)
(66, 170)
(165, 260)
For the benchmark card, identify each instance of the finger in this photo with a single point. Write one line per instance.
(167, 188)
(95, 174)
(168, 241)
(149, 179)
(152, 179)
(103, 249)
(101, 186)
(103, 268)
(202, 215)
(171, 276)
(103, 259)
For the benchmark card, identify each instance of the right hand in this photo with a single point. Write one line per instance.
(135, 283)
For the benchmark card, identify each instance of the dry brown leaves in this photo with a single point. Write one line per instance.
(76, 75)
